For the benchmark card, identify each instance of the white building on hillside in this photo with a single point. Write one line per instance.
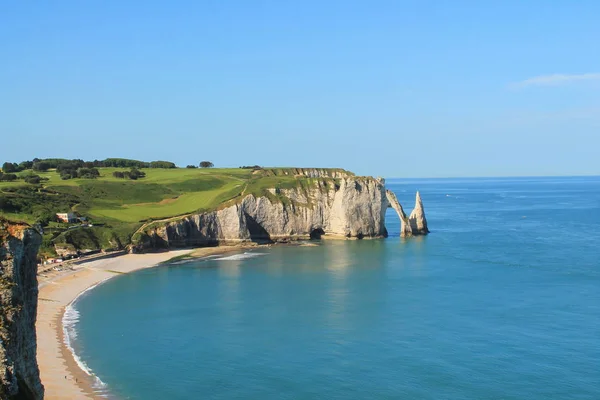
(67, 217)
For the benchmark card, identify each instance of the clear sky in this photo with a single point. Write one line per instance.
(390, 88)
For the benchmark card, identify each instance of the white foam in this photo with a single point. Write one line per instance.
(69, 322)
(180, 262)
(242, 256)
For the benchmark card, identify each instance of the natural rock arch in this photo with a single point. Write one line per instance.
(416, 224)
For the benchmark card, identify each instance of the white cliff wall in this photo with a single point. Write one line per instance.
(352, 207)
(19, 373)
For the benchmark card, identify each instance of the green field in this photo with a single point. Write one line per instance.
(162, 193)
(118, 207)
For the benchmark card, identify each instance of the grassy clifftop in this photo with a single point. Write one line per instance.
(118, 207)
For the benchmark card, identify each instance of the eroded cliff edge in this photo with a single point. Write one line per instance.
(19, 373)
(336, 206)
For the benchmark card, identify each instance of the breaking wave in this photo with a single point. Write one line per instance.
(69, 324)
(238, 257)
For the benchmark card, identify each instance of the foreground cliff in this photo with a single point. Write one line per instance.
(340, 206)
(19, 373)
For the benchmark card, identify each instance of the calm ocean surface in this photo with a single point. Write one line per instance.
(501, 301)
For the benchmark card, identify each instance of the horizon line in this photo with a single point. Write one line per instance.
(498, 176)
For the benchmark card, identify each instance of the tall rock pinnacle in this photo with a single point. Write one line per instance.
(417, 220)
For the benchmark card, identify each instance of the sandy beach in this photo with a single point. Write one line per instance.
(60, 374)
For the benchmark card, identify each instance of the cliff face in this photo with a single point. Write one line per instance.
(308, 172)
(351, 207)
(19, 373)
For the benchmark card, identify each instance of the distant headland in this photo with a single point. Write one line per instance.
(122, 204)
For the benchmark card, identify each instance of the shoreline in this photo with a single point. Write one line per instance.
(61, 375)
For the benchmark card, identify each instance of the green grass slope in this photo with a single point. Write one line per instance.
(118, 207)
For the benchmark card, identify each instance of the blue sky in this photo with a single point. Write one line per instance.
(390, 88)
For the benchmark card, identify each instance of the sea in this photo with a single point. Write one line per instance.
(500, 301)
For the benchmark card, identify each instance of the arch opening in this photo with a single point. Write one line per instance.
(392, 200)
(316, 234)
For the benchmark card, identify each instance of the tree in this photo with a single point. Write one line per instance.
(206, 164)
(135, 173)
(88, 173)
(41, 166)
(162, 164)
(191, 166)
(8, 177)
(23, 165)
(33, 179)
(8, 167)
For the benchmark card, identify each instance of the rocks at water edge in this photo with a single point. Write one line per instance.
(19, 373)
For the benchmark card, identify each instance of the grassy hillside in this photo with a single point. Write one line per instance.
(162, 193)
(118, 207)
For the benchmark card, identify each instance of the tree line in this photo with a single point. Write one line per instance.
(45, 164)
(63, 164)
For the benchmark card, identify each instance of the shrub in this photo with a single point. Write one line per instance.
(88, 173)
(135, 173)
(33, 179)
(8, 177)
(68, 174)
(7, 205)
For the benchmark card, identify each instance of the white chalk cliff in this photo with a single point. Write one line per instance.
(19, 373)
(349, 206)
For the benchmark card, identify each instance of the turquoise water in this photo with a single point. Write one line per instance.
(501, 301)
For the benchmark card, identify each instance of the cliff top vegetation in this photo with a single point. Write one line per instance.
(115, 201)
